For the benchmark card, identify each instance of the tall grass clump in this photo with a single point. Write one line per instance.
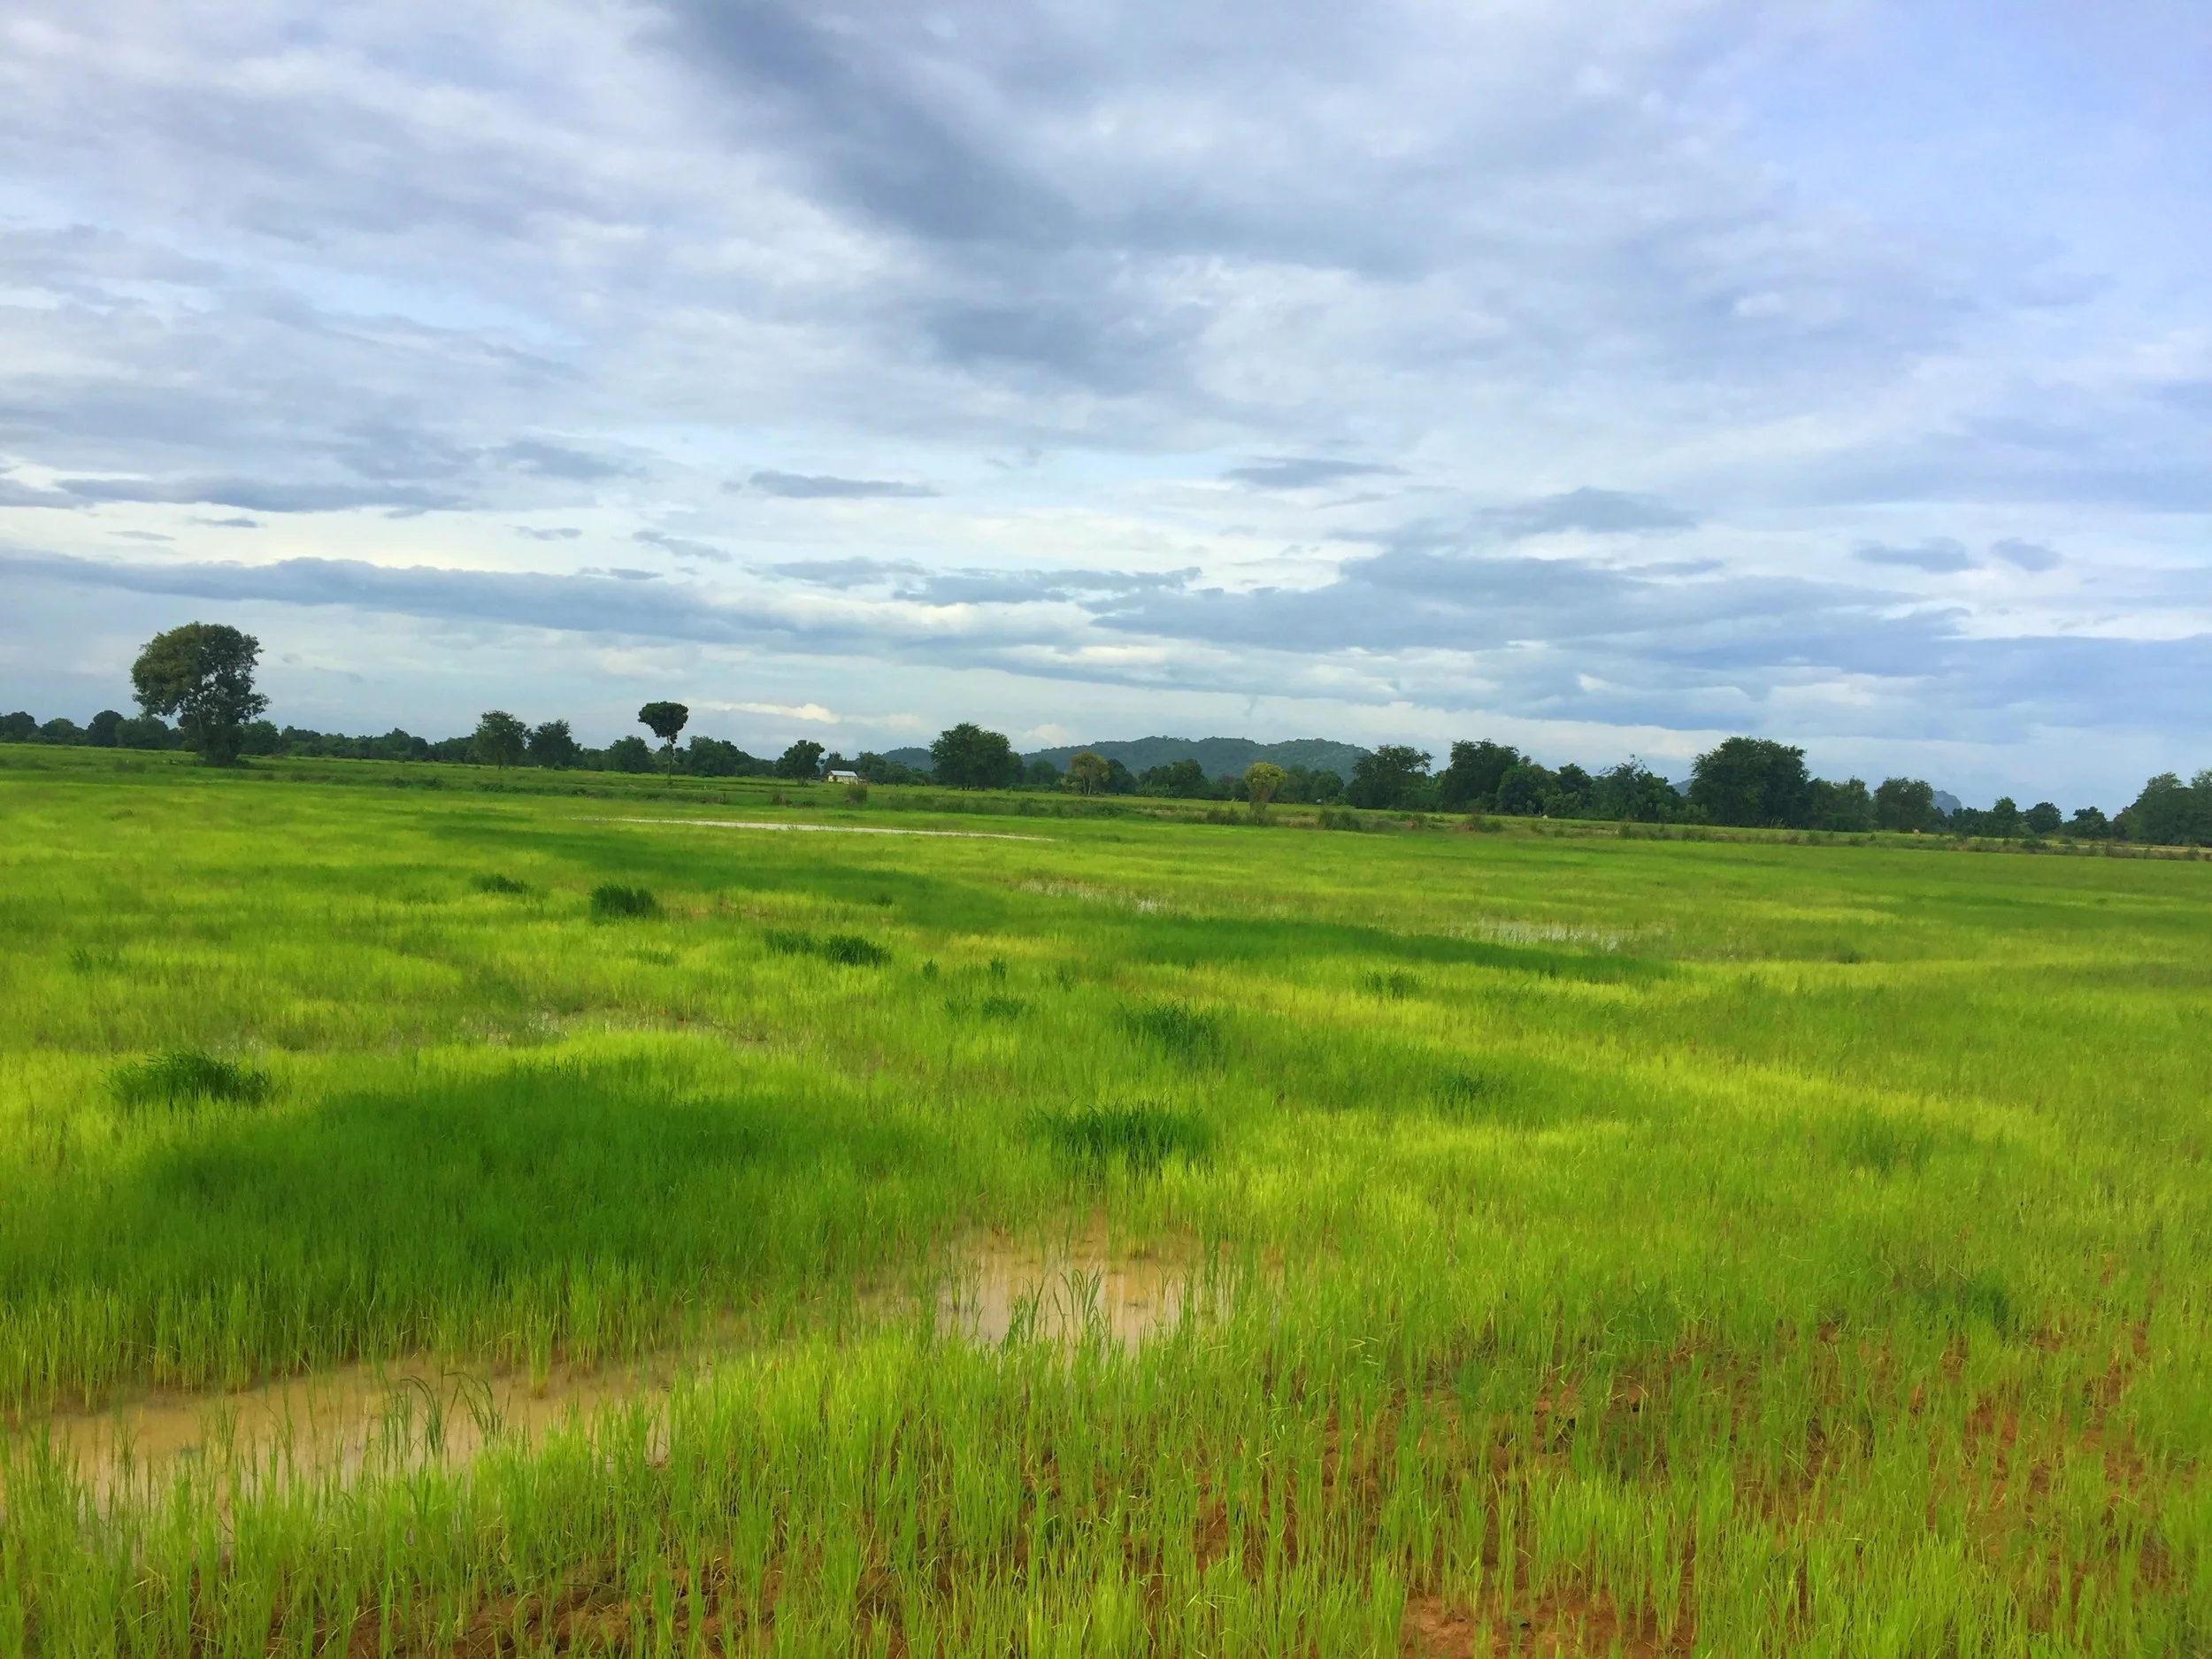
(187, 1076)
(1142, 1136)
(611, 902)
(1191, 1034)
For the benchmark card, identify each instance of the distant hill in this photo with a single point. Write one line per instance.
(1221, 756)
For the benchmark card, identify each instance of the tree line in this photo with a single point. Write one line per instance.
(202, 675)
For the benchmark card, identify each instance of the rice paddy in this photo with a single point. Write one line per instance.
(1121, 1237)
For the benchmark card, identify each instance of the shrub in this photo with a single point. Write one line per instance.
(856, 794)
(186, 1077)
(1142, 1136)
(611, 901)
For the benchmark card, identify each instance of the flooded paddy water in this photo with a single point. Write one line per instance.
(994, 1289)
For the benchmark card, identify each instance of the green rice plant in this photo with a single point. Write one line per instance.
(1392, 985)
(1002, 1007)
(850, 950)
(1142, 1136)
(612, 902)
(1191, 1034)
(187, 1076)
(493, 882)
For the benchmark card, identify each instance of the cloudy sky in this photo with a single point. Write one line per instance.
(1604, 378)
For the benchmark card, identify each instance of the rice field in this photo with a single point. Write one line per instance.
(1554, 1243)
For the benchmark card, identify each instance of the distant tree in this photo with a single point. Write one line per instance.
(1569, 795)
(1469, 783)
(1119, 779)
(1088, 773)
(1906, 805)
(1387, 777)
(874, 768)
(1041, 775)
(61, 730)
(19, 727)
(1178, 780)
(261, 737)
(629, 754)
(1840, 806)
(501, 740)
(101, 732)
(2171, 813)
(203, 674)
(2042, 818)
(2089, 824)
(1752, 781)
(1632, 791)
(1262, 781)
(802, 761)
(666, 721)
(966, 757)
(1522, 790)
(552, 745)
(145, 731)
(1323, 784)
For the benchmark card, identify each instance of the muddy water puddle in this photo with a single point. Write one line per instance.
(404, 1414)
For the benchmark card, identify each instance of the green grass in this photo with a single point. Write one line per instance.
(1608, 1243)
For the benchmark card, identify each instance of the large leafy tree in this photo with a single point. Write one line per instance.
(1264, 780)
(1906, 803)
(1472, 780)
(1753, 781)
(666, 721)
(968, 758)
(552, 744)
(1389, 777)
(501, 740)
(803, 761)
(202, 674)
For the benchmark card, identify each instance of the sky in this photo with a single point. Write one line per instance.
(1600, 379)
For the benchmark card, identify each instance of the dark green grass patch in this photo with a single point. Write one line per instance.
(1141, 1137)
(187, 1076)
(1191, 1034)
(493, 882)
(1390, 986)
(1881, 1141)
(611, 902)
(847, 950)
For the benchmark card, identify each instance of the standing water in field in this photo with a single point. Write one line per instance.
(403, 1414)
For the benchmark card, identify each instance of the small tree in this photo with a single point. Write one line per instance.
(552, 745)
(803, 761)
(968, 758)
(2043, 818)
(203, 674)
(501, 740)
(1088, 772)
(1905, 804)
(666, 721)
(1262, 781)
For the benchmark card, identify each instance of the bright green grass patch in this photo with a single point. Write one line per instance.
(1723, 1248)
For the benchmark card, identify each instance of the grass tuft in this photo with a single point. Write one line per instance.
(1188, 1032)
(1142, 1136)
(493, 882)
(611, 901)
(186, 1077)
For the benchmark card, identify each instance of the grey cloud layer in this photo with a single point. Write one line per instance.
(1435, 288)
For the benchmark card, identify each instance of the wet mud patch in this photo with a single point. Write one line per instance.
(1083, 1286)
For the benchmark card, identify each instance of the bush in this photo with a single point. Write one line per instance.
(611, 902)
(185, 1077)
(1142, 1137)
